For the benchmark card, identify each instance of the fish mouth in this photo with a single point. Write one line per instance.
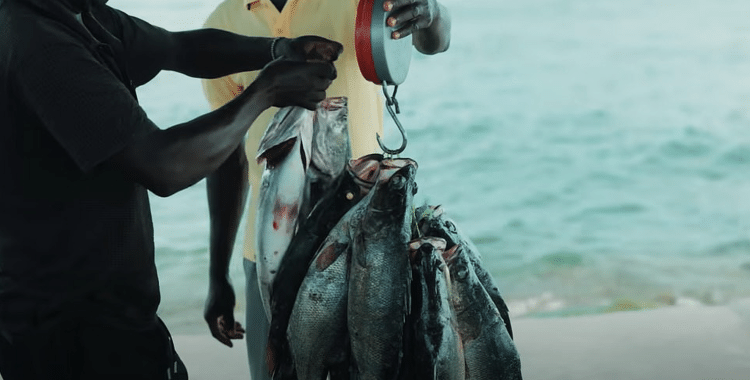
(372, 168)
(429, 241)
(427, 217)
(455, 258)
(393, 195)
(424, 244)
(389, 167)
(400, 178)
(397, 163)
(437, 210)
(333, 103)
(450, 254)
(366, 170)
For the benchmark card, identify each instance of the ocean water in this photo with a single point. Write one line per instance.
(597, 152)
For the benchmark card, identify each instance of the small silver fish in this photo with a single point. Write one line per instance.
(331, 151)
(284, 149)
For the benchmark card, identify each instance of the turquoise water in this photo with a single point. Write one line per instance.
(597, 152)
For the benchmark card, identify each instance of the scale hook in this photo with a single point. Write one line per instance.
(390, 101)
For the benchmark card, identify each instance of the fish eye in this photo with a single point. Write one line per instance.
(462, 272)
(450, 226)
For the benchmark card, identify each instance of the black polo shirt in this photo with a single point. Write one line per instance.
(76, 235)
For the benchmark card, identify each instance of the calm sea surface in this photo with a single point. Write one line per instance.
(597, 152)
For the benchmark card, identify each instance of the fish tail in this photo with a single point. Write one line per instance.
(271, 357)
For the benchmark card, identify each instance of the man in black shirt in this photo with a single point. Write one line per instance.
(78, 284)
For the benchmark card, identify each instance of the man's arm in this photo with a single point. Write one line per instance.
(205, 53)
(202, 53)
(227, 192)
(213, 53)
(167, 161)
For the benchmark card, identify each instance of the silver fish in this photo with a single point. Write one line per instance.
(331, 151)
(437, 351)
(433, 221)
(380, 275)
(284, 148)
(489, 351)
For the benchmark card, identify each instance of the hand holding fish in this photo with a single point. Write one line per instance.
(219, 313)
(308, 48)
(292, 83)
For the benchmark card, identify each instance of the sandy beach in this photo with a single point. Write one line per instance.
(673, 343)
(689, 342)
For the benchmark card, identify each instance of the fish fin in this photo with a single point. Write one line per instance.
(277, 153)
(506, 318)
(271, 361)
(304, 156)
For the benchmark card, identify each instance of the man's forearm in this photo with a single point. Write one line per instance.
(167, 161)
(436, 38)
(213, 53)
(227, 191)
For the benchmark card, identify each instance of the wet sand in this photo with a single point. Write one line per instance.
(679, 343)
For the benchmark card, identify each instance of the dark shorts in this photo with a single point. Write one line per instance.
(72, 351)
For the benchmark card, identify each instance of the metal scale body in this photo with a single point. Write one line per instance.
(382, 60)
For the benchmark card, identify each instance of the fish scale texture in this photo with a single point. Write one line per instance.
(489, 351)
(379, 285)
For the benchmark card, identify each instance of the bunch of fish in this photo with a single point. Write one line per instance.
(359, 283)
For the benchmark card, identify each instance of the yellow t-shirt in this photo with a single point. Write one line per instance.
(334, 20)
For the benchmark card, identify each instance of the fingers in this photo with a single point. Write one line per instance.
(404, 15)
(323, 77)
(225, 335)
(316, 69)
(316, 48)
(313, 86)
(408, 16)
(404, 32)
(302, 74)
(311, 99)
(390, 5)
(218, 331)
(238, 328)
(327, 51)
(324, 70)
(299, 83)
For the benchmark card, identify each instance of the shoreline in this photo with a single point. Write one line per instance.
(680, 342)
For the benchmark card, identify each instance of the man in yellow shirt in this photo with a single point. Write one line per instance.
(426, 20)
